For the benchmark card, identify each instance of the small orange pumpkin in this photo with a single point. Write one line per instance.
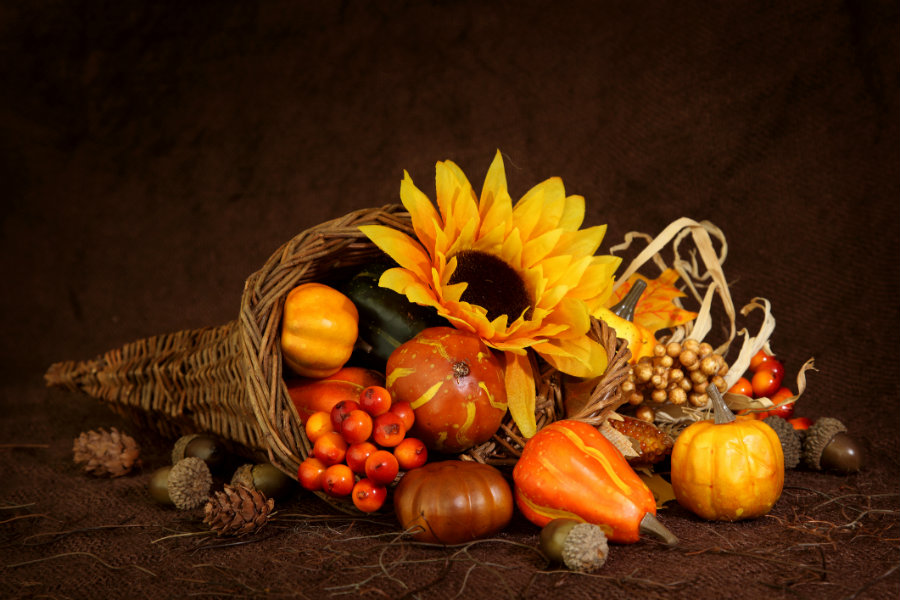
(318, 330)
(570, 470)
(727, 469)
(454, 384)
(452, 502)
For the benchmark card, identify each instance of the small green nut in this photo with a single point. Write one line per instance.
(264, 477)
(159, 485)
(200, 445)
(580, 546)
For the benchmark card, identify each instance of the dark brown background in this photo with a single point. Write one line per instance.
(153, 156)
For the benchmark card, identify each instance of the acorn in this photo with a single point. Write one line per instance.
(159, 485)
(264, 477)
(580, 546)
(827, 447)
(189, 482)
(790, 441)
(202, 446)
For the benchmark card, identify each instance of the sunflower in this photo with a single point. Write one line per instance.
(523, 276)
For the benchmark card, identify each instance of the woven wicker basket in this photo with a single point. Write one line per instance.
(228, 381)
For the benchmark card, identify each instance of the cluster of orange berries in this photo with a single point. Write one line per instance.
(765, 379)
(360, 447)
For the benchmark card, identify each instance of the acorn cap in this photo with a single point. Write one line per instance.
(243, 475)
(790, 442)
(201, 445)
(180, 444)
(189, 483)
(818, 436)
(585, 548)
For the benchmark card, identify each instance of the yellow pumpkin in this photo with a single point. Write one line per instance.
(318, 330)
(640, 339)
(727, 469)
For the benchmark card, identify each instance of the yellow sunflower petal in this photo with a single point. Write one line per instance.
(581, 357)
(455, 197)
(597, 279)
(573, 214)
(406, 283)
(425, 219)
(528, 212)
(573, 314)
(536, 249)
(583, 242)
(495, 208)
(408, 253)
(520, 393)
(511, 250)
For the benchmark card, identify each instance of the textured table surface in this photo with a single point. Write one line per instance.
(154, 156)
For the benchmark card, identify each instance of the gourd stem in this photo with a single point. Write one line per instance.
(650, 524)
(625, 307)
(723, 414)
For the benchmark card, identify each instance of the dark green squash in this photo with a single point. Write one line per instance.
(386, 318)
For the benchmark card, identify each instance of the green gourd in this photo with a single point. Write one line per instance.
(386, 318)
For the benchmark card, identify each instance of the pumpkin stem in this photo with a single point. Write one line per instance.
(625, 307)
(650, 524)
(723, 414)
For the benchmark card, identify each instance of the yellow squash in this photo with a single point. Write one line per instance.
(318, 330)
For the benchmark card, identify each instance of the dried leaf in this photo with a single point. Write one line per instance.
(656, 308)
(662, 489)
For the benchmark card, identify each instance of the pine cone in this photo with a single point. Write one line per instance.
(238, 510)
(655, 444)
(106, 453)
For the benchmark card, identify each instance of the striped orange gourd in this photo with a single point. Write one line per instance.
(569, 470)
(454, 384)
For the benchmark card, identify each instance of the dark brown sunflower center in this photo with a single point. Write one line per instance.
(493, 284)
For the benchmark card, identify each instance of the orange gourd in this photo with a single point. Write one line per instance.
(318, 330)
(570, 470)
(455, 385)
(311, 395)
(727, 469)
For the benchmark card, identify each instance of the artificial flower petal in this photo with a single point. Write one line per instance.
(520, 393)
(408, 253)
(581, 357)
(425, 219)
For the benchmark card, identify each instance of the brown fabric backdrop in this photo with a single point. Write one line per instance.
(155, 154)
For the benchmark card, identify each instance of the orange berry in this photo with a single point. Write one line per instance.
(382, 467)
(405, 411)
(317, 424)
(338, 480)
(785, 411)
(375, 400)
(411, 453)
(340, 412)
(310, 473)
(330, 448)
(368, 496)
(357, 455)
(767, 379)
(759, 359)
(388, 430)
(742, 386)
(357, 427)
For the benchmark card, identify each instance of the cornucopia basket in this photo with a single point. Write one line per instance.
(228, 380)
